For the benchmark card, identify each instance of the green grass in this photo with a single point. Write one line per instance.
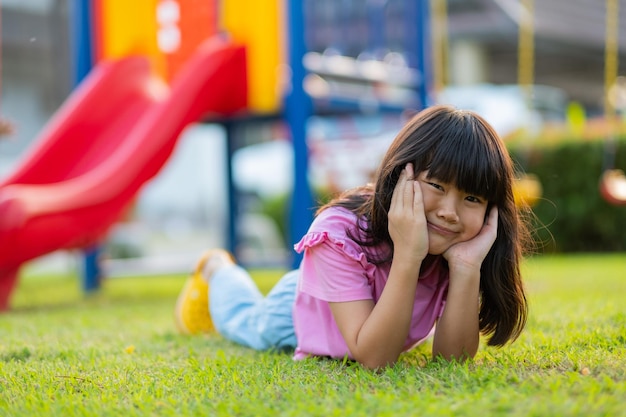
(117, 353)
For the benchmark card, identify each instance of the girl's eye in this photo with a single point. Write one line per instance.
(435, 185)
(473, 199)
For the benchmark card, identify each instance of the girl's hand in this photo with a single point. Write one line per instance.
(470, 254)
(406, 218)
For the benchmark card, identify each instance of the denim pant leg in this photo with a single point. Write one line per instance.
(242, 314)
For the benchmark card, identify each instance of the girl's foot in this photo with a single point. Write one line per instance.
(192, 307)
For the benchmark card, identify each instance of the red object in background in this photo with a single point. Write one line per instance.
(113, 134)
(613, 187)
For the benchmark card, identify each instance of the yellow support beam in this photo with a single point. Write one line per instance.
(259, 24)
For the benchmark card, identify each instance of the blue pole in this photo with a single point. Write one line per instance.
(423, 51)
(232, 192)
(92, 271)
(81, 39)
(83, 61)
(298, 108)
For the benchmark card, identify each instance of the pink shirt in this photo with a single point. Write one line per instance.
(334, 268)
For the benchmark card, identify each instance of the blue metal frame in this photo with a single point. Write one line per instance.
(298, 109)
(82, 50)
(423, 52)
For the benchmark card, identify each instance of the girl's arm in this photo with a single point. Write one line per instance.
(457, 331)
(376, 333)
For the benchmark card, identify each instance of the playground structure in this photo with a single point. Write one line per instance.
(146, 70)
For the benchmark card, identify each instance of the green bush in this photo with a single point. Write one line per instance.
(575, 216)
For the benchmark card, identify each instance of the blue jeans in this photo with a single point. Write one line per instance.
(242, 314)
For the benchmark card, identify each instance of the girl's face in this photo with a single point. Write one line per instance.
(452, 215)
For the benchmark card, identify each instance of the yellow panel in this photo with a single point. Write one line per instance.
(129, 28)
(258, 24)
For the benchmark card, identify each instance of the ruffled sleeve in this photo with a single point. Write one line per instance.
(334, 267)
(348, 247)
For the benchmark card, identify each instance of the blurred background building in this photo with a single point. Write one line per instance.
(569, 45)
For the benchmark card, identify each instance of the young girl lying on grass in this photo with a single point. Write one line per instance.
(433, 246)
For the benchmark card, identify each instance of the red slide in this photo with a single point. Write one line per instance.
(113, 134)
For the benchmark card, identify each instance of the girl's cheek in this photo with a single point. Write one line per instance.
(479, 223)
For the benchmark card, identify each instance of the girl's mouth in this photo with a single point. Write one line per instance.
(441, 230)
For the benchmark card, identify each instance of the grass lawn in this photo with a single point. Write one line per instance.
(117, 353)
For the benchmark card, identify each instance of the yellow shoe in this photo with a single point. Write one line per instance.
(192, 307)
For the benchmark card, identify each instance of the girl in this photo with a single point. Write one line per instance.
(432, 247)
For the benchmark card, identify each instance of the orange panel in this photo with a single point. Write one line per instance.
(182, 26)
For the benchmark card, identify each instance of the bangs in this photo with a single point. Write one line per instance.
(469, 157)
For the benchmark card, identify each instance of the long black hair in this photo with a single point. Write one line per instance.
(461, 148)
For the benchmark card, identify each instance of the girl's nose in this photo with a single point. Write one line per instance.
(447, 210)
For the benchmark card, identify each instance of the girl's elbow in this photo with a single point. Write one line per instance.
(375, 365)
(454, 356)
(455, 348)
(375, 362)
